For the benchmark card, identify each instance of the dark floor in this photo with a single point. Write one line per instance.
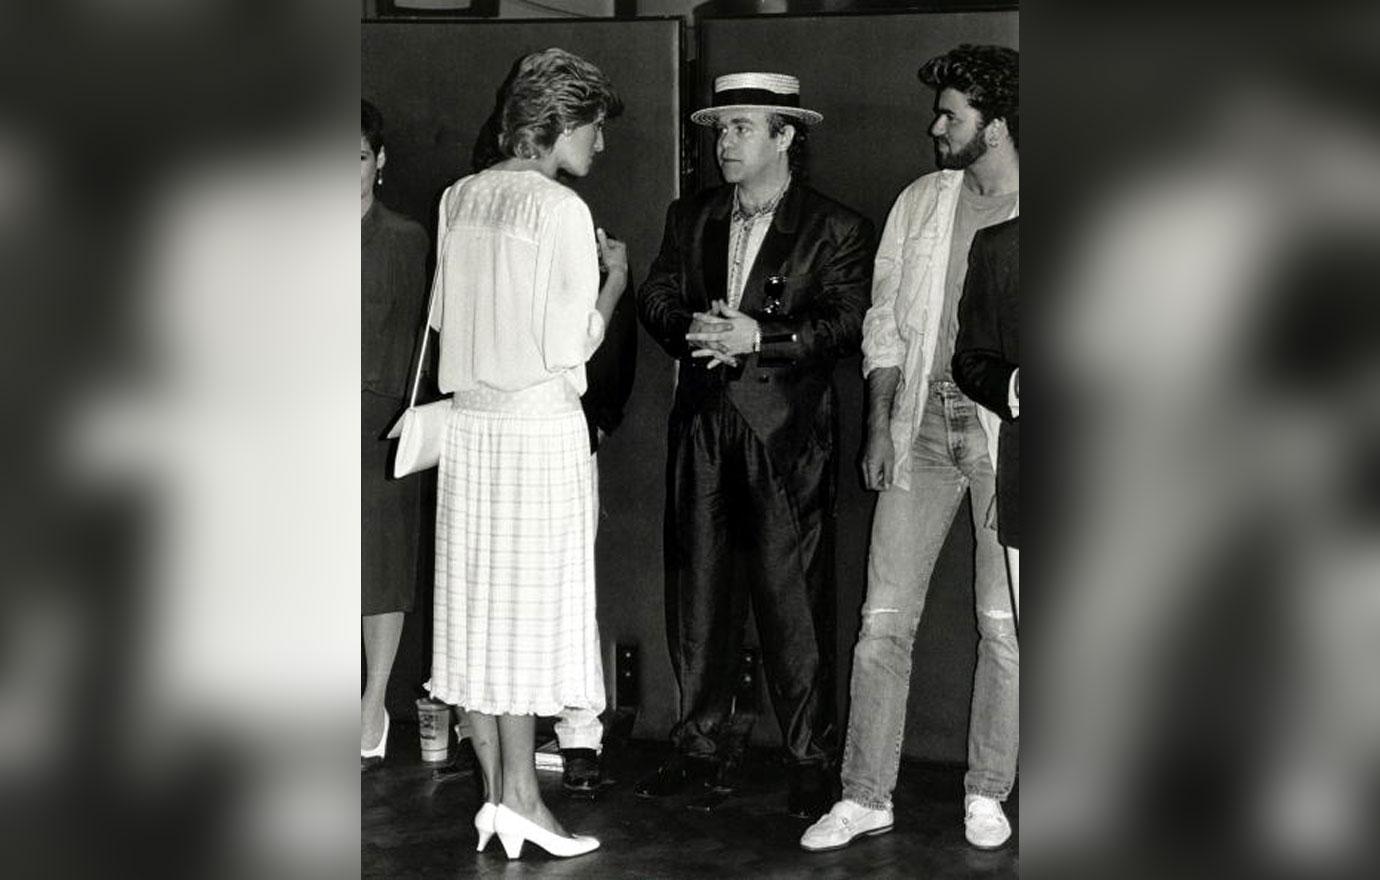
(416, 826)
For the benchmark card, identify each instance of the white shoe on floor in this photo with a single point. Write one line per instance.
(844, 823)
(381, 750)
(984, 823)
(514, 830)
(484, 824)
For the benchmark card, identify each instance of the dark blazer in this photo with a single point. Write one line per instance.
(609, 374)
(987, 353)
(823, 252)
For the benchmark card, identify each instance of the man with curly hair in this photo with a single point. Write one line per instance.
(927, 445)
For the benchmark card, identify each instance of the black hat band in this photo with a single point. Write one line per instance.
(729, 97)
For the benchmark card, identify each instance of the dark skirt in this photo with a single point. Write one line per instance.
(391, 515)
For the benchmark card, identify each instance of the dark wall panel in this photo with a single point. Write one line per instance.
(860, 72)
(435, 84)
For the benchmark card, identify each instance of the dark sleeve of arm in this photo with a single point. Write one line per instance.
(979, 366)
(661, 298)
(412, 300)
(831, 325)
(610, 371)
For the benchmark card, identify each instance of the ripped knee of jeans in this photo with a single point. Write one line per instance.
(996, 621)
(886, 622)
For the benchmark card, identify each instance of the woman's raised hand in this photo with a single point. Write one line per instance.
(612, 253)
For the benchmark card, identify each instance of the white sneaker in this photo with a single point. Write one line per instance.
(984, 823)
(844, 823)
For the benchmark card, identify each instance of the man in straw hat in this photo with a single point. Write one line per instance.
(928, 444)
(760, 286)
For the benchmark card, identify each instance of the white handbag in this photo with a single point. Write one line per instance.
(421, 430)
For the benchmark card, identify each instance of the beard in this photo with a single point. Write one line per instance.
(957, 160)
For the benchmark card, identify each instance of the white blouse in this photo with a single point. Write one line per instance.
(517, 275)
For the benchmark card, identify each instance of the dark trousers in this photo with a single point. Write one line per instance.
(737, 531)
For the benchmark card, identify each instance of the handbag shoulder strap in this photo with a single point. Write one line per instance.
(421, 355)
(431, 309)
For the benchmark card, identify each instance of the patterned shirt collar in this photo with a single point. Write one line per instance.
(768, 208)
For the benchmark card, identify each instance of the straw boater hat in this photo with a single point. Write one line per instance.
(764, 92)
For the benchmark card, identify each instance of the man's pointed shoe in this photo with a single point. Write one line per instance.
(679, 773)
(814, 789)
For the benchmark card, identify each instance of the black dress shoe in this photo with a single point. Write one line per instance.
(814, 790)
(675, 776)
(581, 776)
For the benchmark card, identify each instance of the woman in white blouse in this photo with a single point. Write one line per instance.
(519, 309)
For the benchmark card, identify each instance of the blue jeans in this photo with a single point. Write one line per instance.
(949, 457)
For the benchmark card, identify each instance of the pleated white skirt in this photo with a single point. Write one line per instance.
(514, 617)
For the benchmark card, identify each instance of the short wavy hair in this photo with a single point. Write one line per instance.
(988, 76)
(548, 93)
(371, 126)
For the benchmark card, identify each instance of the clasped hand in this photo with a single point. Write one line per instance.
(722, 333)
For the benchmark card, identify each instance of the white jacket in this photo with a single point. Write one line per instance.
(901, 328)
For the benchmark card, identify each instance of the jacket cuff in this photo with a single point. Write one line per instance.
(782, 341)
(871, 364)
(674, 341)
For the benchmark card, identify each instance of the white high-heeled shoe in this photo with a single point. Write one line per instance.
(513, 830)
(484, 824)
(381, 749)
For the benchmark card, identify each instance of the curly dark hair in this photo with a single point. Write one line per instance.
(371, 126)
(987, 75)
(547, 93)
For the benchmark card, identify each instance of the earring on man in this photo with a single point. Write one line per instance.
(378, 178)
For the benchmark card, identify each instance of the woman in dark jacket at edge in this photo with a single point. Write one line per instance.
(393, 283)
